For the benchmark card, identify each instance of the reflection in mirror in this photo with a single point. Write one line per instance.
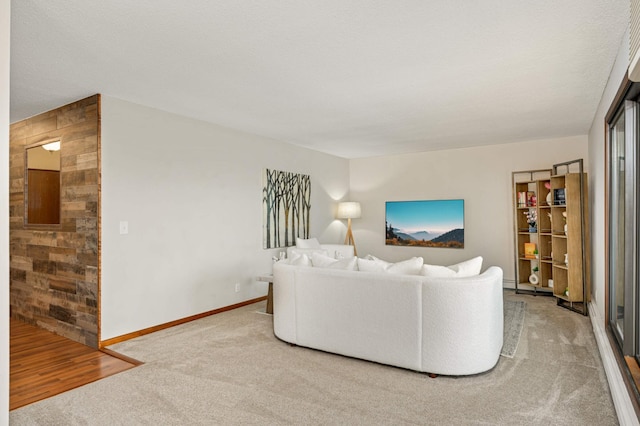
(42, 184)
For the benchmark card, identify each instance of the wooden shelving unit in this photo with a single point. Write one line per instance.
(532, 272)
(561, 267)
(571, 263)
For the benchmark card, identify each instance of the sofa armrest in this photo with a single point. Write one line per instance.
(462, 320)
(284, 302)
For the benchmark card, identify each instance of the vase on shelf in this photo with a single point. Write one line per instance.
(533, 229)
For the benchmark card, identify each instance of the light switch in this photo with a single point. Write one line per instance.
(124, 227)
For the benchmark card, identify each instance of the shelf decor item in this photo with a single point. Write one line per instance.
(559, 197)
(532, 218)
(549, 197)
(522, 199)
(529, 250)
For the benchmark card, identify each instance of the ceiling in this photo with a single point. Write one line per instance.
(353, 78)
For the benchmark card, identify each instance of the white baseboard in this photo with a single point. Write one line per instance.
(507, 283)
(621, 399)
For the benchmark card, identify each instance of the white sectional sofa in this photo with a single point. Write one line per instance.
(444, 326)
(332, 250)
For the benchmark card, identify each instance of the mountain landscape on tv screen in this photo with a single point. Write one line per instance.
(451, 239)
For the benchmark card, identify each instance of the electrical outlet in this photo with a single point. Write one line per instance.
(237, 287)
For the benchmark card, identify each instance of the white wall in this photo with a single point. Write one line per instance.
(5, 15)
(192, 195)
(481, 176)
(597, 180)
(597, 176)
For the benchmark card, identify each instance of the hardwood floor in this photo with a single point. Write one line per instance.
(44, 364)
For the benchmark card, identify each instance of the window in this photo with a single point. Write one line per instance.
(623, 221)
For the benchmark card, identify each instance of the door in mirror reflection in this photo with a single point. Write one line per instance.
(43, 184)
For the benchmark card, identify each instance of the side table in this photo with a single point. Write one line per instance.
(268, 278)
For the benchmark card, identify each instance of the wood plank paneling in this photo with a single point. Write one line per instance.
(54, 275)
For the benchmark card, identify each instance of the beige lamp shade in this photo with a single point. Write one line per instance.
(349, 210)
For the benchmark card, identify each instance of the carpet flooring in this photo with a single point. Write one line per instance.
(230, 369)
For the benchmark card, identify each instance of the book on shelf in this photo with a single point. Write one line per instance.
(530, 250)
(522, 199)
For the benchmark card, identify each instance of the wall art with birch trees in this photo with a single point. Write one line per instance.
(286, 202)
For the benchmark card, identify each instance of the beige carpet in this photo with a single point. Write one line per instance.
(230, 369)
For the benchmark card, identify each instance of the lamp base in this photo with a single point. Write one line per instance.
(348, 239)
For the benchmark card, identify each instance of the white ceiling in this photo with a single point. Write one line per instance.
(354, 78)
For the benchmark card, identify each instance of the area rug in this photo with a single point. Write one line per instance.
(513, 323)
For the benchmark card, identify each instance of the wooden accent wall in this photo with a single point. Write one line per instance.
(54, 268)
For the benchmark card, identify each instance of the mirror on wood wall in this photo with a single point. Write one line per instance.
(42, 184)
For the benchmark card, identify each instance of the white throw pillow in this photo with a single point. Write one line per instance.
(300, 260)
(367, 265)
(406, 267)
(347, 264)
(321, 261)
(311, 243)
(381, 262)
(437, 271)
(468, 268)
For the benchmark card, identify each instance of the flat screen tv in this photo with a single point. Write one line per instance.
(427, 223)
